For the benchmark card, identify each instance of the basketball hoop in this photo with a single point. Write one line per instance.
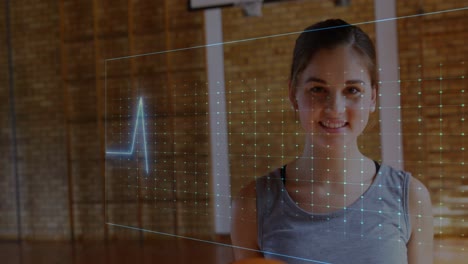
(342, 2)
(251, 7)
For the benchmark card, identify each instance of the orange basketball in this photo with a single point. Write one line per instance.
(258, 261)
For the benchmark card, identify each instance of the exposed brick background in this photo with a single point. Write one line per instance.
(60, 55)
(40, 121)
(433, 70)
(8, 225)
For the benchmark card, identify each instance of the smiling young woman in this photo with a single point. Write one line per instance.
(334, 98)
(333, 204)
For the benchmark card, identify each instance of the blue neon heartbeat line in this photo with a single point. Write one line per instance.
(140, 116)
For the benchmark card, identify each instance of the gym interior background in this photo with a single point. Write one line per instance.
(80, 78)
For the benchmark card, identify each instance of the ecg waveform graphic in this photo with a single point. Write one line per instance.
(140, 118)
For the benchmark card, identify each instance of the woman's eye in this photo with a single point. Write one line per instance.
(353, 90)
(317, 89)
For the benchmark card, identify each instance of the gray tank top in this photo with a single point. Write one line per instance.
(373, 229)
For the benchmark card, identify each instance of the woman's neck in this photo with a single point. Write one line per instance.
(331, 163)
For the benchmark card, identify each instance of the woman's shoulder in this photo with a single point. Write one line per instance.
(394, 176)
(247, 190)
(250, 189)
(417, 193)
(389, 169)
(413, 183)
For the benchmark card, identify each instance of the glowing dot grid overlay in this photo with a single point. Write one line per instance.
(157, 134)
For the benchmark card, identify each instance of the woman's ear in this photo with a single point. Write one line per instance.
(292, 95)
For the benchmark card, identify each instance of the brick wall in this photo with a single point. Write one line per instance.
(60, 51)
(133, 198)
(8, 224)
(40, 121)
(433, 65)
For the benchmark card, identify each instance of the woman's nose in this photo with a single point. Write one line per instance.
(335, 104)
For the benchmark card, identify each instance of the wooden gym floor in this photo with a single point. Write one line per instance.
(163, 250)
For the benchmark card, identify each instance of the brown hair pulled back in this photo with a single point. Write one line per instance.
(329, 34)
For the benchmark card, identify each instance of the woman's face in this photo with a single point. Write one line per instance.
(334, 96)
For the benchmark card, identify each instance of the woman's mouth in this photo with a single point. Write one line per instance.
(333, 125)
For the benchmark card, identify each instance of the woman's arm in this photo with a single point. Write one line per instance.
(420, 245)
(244, 224)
